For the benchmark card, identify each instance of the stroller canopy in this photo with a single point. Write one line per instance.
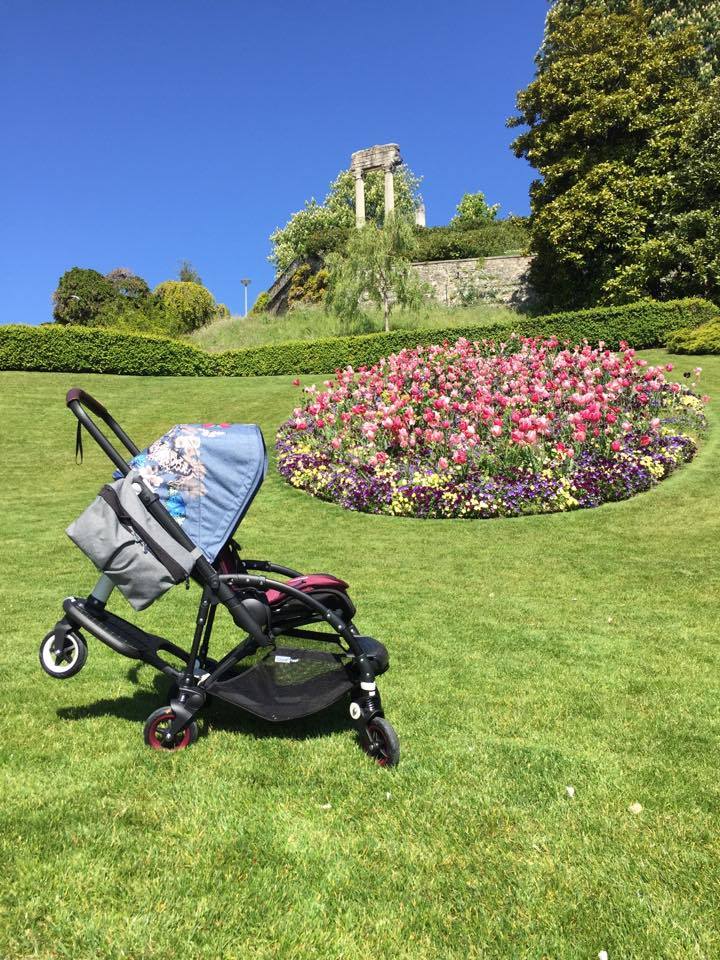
(206, 475)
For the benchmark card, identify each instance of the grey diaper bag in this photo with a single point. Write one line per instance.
(129, 546)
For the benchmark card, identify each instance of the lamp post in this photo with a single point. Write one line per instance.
(246, 283)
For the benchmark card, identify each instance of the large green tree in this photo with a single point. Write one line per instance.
(323, 227)
(666, 16)
(606, 114)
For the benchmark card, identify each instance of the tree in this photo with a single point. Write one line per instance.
(187, 273)
(474, 211)
(682, 259)
(375, 266)
(606, 113)
(80, 296)
(128, 285)
(320, 228)
(666, 16)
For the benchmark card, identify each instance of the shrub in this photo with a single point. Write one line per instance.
(77, 349)
(90, 350)
(703, 339)
(191, 303)
(261, 303)
(222, 311)
(80, 295)
(449, 243)
(306, 286)
(470, 431)
(642, 325)
(144, 316)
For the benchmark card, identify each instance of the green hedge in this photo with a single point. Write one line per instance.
(87, 350)
(642, 325)
(450, 243)
(435, 243)
(99, 350)
(704, 339)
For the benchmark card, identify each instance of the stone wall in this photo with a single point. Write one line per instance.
(493, 280)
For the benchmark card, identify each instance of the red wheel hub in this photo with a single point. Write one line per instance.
(157, 733)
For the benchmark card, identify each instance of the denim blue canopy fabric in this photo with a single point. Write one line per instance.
(206, 475)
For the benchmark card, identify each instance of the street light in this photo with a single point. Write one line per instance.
(246, 283)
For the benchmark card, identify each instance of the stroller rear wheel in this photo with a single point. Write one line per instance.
(156, 727)
(382, 743)
(65, 658)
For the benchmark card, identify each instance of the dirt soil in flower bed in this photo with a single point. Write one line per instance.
(491, 430)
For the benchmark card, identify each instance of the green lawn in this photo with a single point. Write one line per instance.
(310, 323)
(527, 655)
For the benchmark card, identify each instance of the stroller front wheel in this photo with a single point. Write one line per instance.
(382, 743)
(156, 727)
(63, 659)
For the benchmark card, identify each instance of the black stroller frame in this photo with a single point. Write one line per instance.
(265, 688)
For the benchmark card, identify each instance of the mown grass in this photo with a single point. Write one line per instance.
(527, 655)
(311, 323)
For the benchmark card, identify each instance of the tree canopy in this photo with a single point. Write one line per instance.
(607, 113)
(323, 227)
(665, 16)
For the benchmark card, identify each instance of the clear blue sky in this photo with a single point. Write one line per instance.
(141, 133)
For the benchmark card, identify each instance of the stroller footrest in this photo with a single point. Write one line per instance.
(120, 635)
(287, 684)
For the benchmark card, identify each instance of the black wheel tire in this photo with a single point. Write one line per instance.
(69, 662)
(384, 745)
(158, 721)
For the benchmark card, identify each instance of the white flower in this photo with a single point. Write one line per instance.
(570, 791)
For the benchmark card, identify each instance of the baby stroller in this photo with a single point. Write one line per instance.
(168, 518)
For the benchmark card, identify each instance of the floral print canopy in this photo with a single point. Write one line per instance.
(206, 475)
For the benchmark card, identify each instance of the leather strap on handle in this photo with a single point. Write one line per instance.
(76, 395)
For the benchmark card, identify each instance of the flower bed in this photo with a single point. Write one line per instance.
(488, 430)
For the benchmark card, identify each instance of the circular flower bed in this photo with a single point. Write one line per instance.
(489, 430)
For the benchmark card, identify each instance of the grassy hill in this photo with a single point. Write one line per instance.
(313, 323)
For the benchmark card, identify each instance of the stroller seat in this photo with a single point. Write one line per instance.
(323, 587)
(308, 584)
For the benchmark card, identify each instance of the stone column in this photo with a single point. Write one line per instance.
(420, 215)
(359, 197)
(389, 190)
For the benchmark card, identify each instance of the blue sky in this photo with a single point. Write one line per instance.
(142, 133)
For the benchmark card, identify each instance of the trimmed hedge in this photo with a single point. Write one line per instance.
(99, 350)
(451, 243)
(642, 325)
(704, 339)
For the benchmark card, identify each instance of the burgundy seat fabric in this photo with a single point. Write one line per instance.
(308, 584)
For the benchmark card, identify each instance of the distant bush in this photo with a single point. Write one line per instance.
(449, 243)
(78, 349)
(192, 304)
(306, 286)
(91, 350)
(146, 316)
(703, 339)
(221, 311)
(261, 303)
(80, 295)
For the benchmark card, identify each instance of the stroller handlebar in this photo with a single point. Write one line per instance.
(77, 400)
(76, 394)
